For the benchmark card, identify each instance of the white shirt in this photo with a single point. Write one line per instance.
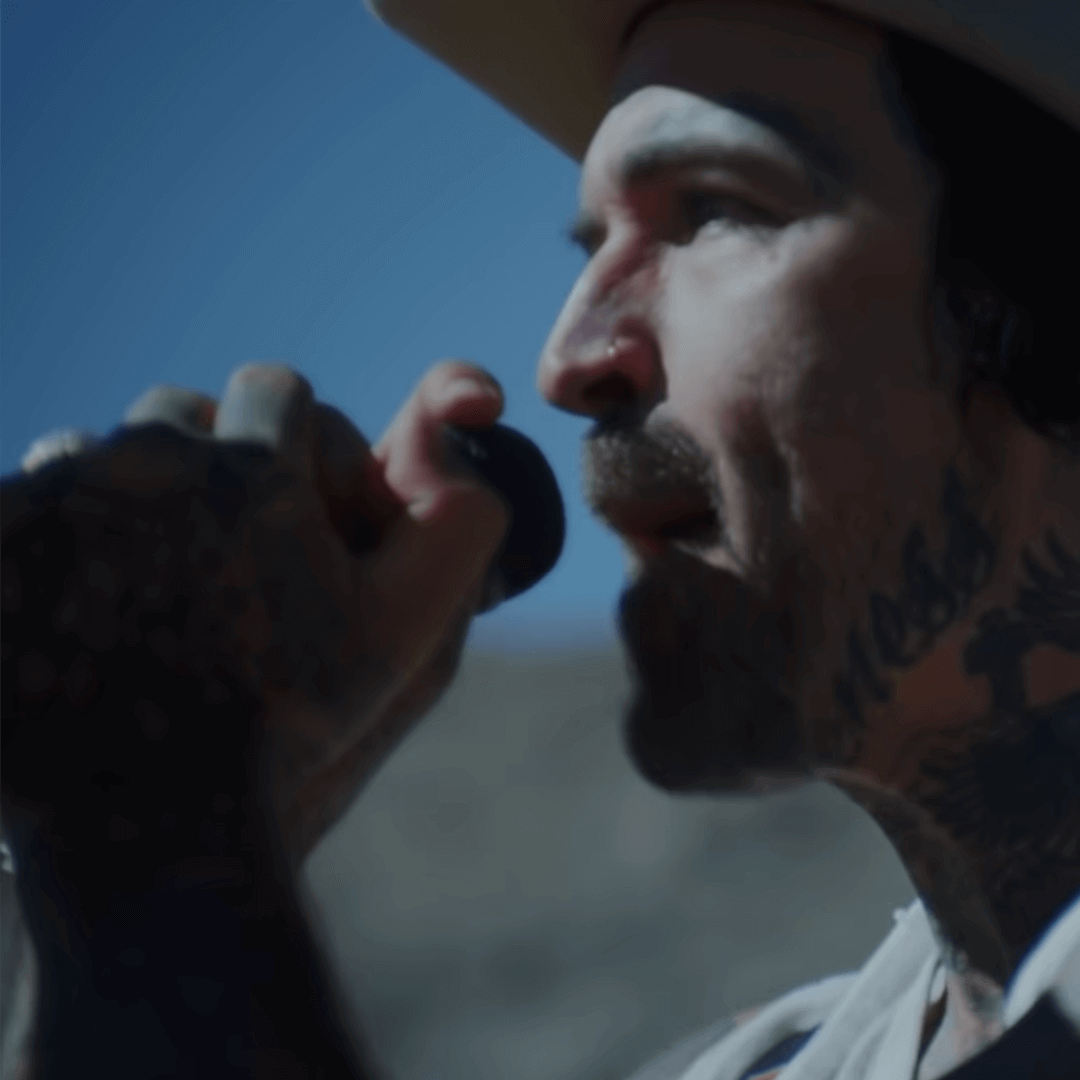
(870, 1022)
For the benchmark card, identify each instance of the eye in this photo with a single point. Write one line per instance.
(589, 236)
(696, 209)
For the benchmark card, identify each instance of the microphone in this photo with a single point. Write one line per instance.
(514, 466)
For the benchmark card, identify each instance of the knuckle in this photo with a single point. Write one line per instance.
(263, 371)
(264, 403)
(55, 446)
(188, 410)
(148, 405)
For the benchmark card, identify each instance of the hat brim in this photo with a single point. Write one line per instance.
(552, 62)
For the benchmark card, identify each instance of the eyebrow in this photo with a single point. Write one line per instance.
(828, 169)
(820, 151)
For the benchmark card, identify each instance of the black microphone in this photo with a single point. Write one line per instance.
(514, 466)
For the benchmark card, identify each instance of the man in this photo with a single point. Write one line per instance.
(837, 429)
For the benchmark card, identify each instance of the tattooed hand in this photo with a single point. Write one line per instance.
(220, 619)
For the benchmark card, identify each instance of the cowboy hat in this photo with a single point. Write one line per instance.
(551, 62)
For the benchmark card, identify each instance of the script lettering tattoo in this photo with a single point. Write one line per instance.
(999, 800)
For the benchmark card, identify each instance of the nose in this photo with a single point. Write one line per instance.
(598, 360)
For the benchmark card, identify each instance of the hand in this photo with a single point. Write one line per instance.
(221, 619)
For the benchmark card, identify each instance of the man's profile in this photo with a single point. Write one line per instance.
(828, 349)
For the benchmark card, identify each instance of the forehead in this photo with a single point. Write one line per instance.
(781, 77)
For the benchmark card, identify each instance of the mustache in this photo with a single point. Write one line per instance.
(625, 461)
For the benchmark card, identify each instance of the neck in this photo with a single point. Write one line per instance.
(988, 828)
(972, 765)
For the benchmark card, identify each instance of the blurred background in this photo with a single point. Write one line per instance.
(191, 184)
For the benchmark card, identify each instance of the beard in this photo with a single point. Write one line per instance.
(711, 658)
(710, 710)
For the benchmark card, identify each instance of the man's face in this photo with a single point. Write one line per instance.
(754, 334)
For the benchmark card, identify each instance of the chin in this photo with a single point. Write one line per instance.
(710, 711)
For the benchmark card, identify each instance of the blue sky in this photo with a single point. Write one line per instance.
(191, 184)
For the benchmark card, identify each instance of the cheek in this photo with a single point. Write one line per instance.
(809, 348)
(868, 297)
(730, 333)
(743, 427)
(844, 505)
(782, 317)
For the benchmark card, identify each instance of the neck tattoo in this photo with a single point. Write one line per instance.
(988, 822)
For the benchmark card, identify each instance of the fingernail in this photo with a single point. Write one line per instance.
(191, 412)
(465, 387)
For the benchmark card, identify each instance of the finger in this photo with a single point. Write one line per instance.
(186, 410)
(267, 404)
(57, 445)
(425, 569)
(360, 504)
(417, 465)
(438, 552)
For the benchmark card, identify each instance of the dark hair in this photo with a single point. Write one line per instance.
(1007, 225)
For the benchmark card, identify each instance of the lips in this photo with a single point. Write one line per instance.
(651, 527)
